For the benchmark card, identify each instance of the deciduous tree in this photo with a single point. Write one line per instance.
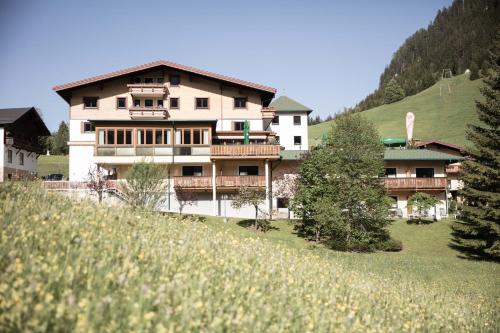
(145, 186)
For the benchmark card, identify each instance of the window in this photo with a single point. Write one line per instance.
(128, 137)
(137, 103)
(121, 102)
(21, 158)
(202, 103)
(149, 136)
(296, 120)
(175, 80)
(9, 156)
(239, 125)
(187, 137)
(282, 203)
(110, 137)
(174, 102)
(148, 103)
(120, 136)
(166, 136)
(196, 137)
(425, 172)
(205, 137)
(249, 170)
(192, 171)
(101, 137)
(88, 127)
(276, 120)
(390, 172)
(240, 102)
(159, 103)
(90, 102)
(297, 140)
(158, 137)
(148, 80)
(178, 137)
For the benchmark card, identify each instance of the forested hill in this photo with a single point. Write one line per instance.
(457, 39)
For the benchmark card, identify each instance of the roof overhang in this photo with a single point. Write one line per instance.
(64, 90)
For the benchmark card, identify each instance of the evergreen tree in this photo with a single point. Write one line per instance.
(339, 196)
(478, 233)
(393, 92)
(61, 138)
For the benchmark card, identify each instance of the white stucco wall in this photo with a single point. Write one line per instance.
(81, 158)
(286, 130)
(76, 133)
(227, 124)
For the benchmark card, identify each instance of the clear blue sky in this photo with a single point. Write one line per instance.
(325, 54)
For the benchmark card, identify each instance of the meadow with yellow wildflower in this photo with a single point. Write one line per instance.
(75, 266)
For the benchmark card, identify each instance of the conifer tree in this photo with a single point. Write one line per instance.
(393, 92)
(478, 233)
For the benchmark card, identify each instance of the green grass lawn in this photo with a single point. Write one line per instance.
(437, 116)
(425, 257)
(76, 266)
(53, 164)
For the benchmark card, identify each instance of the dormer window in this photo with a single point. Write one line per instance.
(240, 102)
(90, 102)
(137, 103)
(148, 103)
(159, 103)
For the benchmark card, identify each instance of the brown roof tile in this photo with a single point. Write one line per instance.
(158, 63)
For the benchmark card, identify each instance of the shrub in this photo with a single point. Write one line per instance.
(390, 245)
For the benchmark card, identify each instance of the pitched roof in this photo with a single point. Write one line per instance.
(438, 142)
(161, 63)
(418, 155)
(11, 115)
(285, 103)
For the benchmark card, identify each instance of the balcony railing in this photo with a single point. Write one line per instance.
(453, 169)
(151, 151)
(222, 182)
(268, 113)
(24, 144)
(245, 151)
(139, 112)
(415, 183)
(147, 89)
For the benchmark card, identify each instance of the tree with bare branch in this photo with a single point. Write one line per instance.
(96, 181)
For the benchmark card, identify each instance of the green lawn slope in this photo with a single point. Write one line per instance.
(53, 164)
(441, 112)
(76, 266)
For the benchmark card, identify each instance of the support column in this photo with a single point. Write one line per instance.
(214, 190)
(268, 202)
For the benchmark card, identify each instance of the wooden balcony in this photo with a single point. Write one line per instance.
(147, 89)
(268, 113)
(454, 169)
(415, 184)
(137, 112)
(245, 151)
(24, 144)
(222, 182)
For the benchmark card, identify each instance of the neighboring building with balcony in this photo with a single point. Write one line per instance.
(418, 170)
(190, 120)
(20, 131)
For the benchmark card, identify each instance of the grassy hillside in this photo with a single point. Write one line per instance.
(53, 164)
(73, 266)
(442, 117)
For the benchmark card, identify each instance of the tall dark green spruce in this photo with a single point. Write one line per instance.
(393, 92)
(478, 234)
(340, 197)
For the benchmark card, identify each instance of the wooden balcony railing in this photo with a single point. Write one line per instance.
(137, 112)
(147, 89)
(193, 182)
(24, 144)
(245, 151)
(415, 183)
(454, 169)
(222, 182)
(76, 185)
(240, 181)
(268, 113)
